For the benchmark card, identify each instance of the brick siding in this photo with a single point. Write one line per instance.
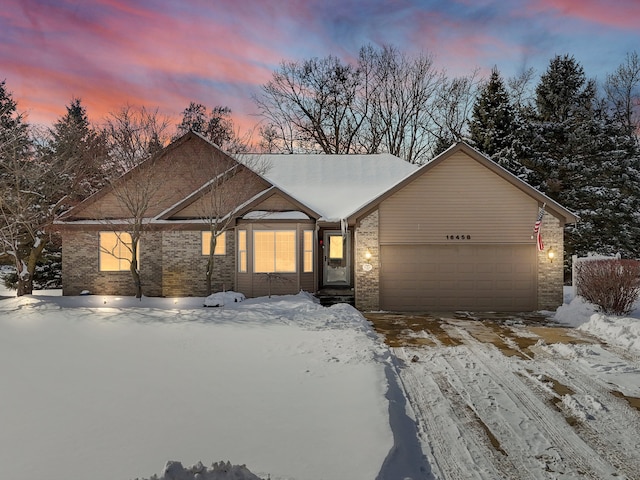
(171, 264)
(551, 273)
(184, 268)
(367, 281)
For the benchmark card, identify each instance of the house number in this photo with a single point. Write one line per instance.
(458, 237)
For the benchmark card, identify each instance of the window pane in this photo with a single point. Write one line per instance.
(274, 251)
(285, 253)
(335, 247)
(115, 253)
(263, 252)
(308, 251)
(242, 250)
(221, 243)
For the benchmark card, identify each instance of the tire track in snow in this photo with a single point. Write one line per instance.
(572, 450)
(619, 444)
(443, 441)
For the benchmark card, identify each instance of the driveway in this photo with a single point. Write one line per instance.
(499, 396)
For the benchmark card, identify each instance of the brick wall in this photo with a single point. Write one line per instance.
(80, 267)
(171, 264)
(551, 273)
(367, 280)
(184, 267)
(151, 264)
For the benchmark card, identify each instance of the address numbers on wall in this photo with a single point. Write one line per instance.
(458, 237)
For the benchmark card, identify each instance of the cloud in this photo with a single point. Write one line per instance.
(622, 14)
(166, 53)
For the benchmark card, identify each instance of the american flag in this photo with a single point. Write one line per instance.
(536, 228)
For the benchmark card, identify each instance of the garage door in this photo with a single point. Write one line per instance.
(458, 277)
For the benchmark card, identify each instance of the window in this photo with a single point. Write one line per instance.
(336, 243)
(274, 251)
(242, 251)
(115, 251)
(221, 244)
(307, 251)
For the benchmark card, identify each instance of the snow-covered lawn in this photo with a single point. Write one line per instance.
(106, 388)
(112, 388)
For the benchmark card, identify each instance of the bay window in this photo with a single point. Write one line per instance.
(274, 251)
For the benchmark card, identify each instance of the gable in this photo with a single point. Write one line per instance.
(276, 203)
(459, 198)
(460, 153)
(219, 199)
(165, 179)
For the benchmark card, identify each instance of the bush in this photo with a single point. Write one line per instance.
(612, 285)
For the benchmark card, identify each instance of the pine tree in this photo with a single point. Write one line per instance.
(23, 206)
(13, 129)
(586, 161)
(494, 125)
(492, 117)
(563, 111)
(78, 152)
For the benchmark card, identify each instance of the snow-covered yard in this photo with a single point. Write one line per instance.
(112, 388)
(107, 388)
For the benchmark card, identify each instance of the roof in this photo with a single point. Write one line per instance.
(333, 185)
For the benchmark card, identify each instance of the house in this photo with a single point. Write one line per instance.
(453, 234)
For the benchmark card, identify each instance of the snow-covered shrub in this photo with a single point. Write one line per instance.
(218, 471)
(611, 284)
(220, 299)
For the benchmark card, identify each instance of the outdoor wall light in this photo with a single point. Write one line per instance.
(367, 255)
(551, 254)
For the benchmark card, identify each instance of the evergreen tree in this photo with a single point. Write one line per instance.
(584, 160)
(13, 130)
(563, 112)
(494, 125)
(492, 117)
(78, 152)
(23, 205)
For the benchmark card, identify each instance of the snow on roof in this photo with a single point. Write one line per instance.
(333, 185)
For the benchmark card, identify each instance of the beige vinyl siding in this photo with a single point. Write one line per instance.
(276, 203)
(459, 198)
(221, 200)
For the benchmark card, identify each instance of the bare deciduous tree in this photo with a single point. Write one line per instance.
(386, 101)
(32, 192)
(313, 104)
(520, 89)
(452, 110)
(135, 137)
(622, 89)
(229, 184)
(402, 97)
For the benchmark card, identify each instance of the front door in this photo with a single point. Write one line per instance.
(336, 262)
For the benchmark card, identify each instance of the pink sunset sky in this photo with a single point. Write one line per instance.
(166, 53)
